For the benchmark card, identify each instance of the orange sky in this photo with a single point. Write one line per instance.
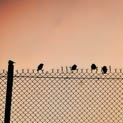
(61, 32)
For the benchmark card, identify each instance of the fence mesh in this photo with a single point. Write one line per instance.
(65, 97)
(3, 81)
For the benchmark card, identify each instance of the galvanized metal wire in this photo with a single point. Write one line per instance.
(65, 97)
(3, 81)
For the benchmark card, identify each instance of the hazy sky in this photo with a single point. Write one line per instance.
(61, 32)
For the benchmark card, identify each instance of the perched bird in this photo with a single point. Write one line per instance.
(93, 67)
(40, 67)
(104, 69)
(74, 67)
(11, 62)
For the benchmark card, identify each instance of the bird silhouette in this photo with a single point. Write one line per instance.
(93, 67)
(40, 67)
(104, 69)
(74, 67)
(11, 62)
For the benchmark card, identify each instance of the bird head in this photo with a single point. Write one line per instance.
(11, 62)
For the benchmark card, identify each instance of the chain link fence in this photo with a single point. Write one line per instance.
(3, 81)
(64, 97)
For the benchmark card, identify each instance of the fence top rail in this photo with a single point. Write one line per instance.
(61, 71)
(64, 70)
(75, 78)
(65, 74)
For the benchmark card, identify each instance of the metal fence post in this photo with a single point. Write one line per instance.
(9, 92)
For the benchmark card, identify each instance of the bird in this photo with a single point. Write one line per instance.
(93, 67)
(40, 67)
(74, 67)
(11, 62)
(104, 69)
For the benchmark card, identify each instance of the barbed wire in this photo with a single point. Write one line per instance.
(61, 77)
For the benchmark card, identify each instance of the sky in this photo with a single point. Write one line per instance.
(61, 33)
